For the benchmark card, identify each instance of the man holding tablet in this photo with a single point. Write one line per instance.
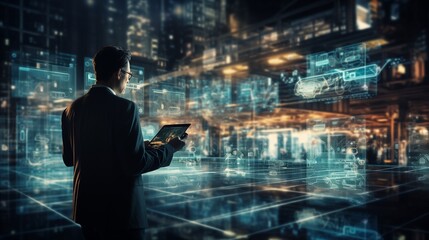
(169, 132)
(102, 140)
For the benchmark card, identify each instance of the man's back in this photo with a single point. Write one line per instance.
(107, 150)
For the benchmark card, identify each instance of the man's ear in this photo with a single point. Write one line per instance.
(119, 73)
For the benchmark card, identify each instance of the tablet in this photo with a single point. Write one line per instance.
(168, 132)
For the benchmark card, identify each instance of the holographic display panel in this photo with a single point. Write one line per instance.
(167, 98)
(335, 152)
(331, 76)
(418, 146)
(415, 150)
(33, 82)
(34, 76)
(209, 96)
(39, 141)
(258, 94)
(48, 83)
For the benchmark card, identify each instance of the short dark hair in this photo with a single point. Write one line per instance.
(108, 60)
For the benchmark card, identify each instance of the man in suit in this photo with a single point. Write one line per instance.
(102, 140)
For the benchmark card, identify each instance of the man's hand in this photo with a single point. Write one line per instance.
(176, 143)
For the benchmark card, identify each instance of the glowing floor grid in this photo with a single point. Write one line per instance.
(208, 200)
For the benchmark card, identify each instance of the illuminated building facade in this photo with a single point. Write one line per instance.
(139, 39)
(188, 24)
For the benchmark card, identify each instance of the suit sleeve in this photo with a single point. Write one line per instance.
(67, 148)
(134, 157)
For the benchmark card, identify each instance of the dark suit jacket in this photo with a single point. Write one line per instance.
(102, 139)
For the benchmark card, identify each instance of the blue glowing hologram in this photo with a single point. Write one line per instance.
(38, 136)
(40, 83)
(43, 77)
(336, 155)
(341, 73)
(48, 81)
(167, 102)
(415, 151)
(258, 94)
(214, 98)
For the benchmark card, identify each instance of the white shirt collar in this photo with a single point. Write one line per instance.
(101, 85)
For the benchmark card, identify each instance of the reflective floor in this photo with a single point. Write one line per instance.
(252, 199)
